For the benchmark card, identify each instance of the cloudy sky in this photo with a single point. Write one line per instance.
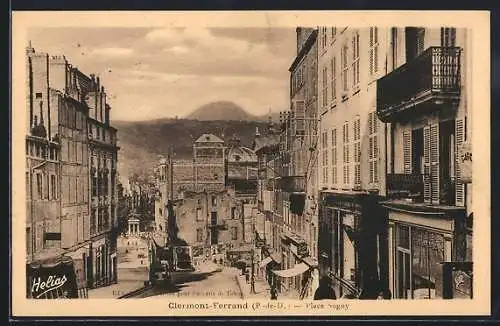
(155, 73)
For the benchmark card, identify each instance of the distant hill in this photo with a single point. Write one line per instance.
(228, 111)
(221, 110)
(142, 142)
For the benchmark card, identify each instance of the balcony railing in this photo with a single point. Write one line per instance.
(221, 225)
(293, 184)
(432, 78)
(405, 186)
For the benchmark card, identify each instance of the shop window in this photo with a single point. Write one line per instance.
(427, 256)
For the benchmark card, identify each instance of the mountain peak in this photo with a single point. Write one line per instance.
(219, 110)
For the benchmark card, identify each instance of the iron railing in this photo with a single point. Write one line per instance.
(434, 73)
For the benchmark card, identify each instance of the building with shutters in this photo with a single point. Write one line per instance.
(296, 181)
(351, 159)
(62, 109)
(424, 101)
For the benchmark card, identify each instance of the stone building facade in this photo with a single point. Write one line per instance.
(424, 101)
(59, 113)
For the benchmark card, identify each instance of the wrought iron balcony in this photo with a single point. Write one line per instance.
(405, 186)
(221, 225)
(293, 184)
(420, 85)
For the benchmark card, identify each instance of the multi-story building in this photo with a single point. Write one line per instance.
(103, 178)
(199, 196)
(61, 95)
(298, 180)
(268, 220)
(424, 99)
(241, 171)
(353, 227)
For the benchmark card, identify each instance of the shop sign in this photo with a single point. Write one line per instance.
(465, 162)
(462, 282)
(302, 250)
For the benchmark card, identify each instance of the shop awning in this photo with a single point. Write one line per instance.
(276, 257)
(296, 270)
(265, 261)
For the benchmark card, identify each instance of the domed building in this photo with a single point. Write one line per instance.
(242, 166)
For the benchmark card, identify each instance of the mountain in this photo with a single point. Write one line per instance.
(142, 142)
(221, 110)
(228, 111)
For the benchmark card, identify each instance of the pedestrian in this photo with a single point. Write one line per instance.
(274, 293)
(247, 277)
(325, 291)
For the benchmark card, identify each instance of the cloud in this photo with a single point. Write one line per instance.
(113, 52)
(154, 73)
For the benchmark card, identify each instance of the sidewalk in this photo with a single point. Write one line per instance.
(262, 289)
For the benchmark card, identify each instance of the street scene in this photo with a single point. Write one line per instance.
(307, 163)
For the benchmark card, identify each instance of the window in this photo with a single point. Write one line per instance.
(95, 184)
(199, 215)
(355, 61)
(214, 201)
(414, 42)
(323, 37)
(160, 211)
(333, 81)
(324, 155)
(234, 233)
(345, 69)
(46, 193)
(39, 186)
(199, 235)
(324, 90)
(334, 156)
(373, 50)
(448, 37)
(38, 95)
(373, 147)
(233, 213)
(53, 186)
(345, 138)
(357, 152)
(334, 33)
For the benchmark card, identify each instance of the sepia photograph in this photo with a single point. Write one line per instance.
(250, 163)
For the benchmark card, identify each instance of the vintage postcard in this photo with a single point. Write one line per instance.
(250, 163)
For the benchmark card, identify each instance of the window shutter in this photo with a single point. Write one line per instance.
(434, 151)
(427, 164)
(407, 152)
(459, 187)
(299, 116)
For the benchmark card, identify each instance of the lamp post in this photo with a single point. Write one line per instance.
(252, 282)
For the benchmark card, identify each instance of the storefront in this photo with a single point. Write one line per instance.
(352, 242)
(58, 277)
(423, 240)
